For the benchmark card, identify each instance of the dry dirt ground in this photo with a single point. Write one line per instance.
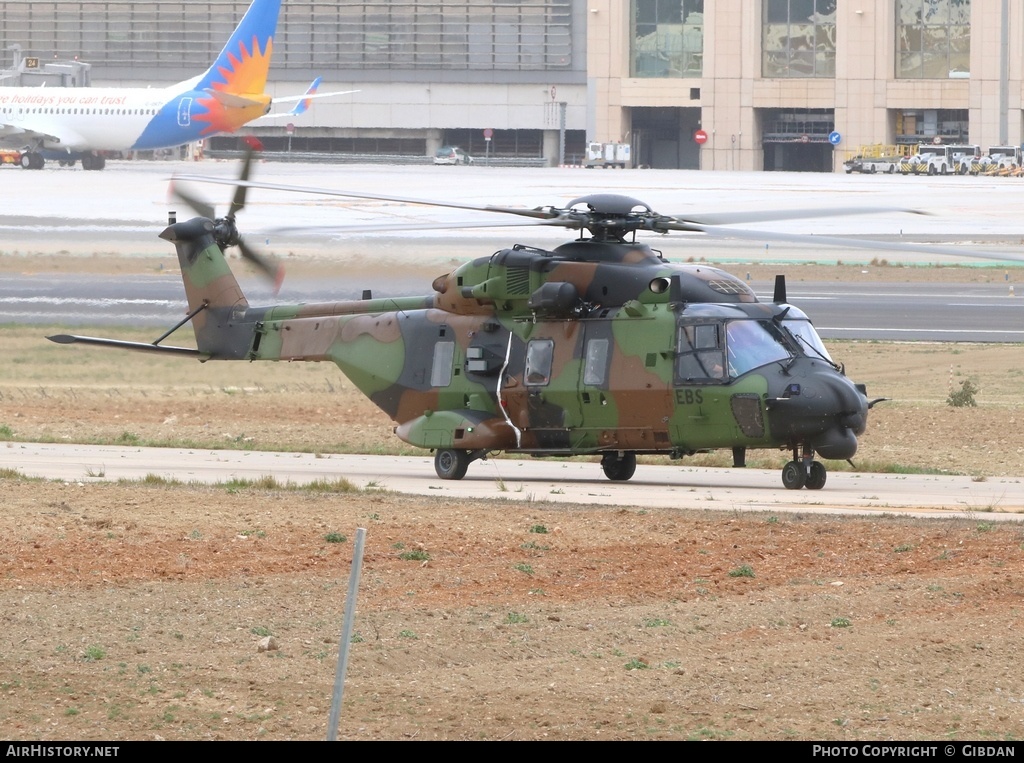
(135, 611)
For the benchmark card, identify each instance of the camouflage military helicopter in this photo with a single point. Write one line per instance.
(598, 347)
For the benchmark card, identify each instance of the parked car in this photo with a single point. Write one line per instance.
(452, 155)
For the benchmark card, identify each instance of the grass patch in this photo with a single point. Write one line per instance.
(656, 622)
(743, 571)
(416, 555)
(269, 482)
(339, 485)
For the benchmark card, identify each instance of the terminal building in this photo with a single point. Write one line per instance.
(693, 84)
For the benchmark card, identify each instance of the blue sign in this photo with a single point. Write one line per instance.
(834, 138)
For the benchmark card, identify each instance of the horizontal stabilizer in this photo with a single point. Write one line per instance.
(302, 102)
(123, 345)
(235, 101)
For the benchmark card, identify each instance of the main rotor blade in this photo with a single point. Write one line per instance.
(544, 213)
(850, 242)
(769, 215)
(397, 227)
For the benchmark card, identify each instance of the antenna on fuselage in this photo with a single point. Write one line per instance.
(780, 290)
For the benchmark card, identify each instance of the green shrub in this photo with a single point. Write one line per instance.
(963, 397)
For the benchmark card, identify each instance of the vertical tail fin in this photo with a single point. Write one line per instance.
(303, 105)
(215, 300)
(242, 66)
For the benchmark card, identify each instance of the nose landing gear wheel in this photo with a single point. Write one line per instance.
(451, 464)
(794, 476)
(619, 467)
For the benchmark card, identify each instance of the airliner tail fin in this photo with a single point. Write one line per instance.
(301, 106)
(242, 66)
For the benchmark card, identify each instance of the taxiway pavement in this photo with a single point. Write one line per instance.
(574, 481)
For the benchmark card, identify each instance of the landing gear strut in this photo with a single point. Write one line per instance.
(619, 466)
(804, 471)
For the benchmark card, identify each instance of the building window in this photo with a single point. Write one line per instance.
(933, 39)
(668, 38)
(926, 125)
(324, 36)
(798, 38)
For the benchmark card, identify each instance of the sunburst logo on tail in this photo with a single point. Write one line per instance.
(236, 81)
(245, 75)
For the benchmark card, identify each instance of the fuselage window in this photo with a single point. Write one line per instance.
(441, 371)
(596, 364)
(539, 356)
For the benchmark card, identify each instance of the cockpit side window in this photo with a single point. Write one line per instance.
(700, 354)
(752, 344)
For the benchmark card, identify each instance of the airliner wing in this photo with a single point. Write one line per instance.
(26, 133)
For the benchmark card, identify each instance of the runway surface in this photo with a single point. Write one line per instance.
(127, 205)
(559, 481)
(943, 312)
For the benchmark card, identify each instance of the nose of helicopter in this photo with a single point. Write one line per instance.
(823, 409)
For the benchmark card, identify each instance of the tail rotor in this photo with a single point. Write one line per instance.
(225, 230)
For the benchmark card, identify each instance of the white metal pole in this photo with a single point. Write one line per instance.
(346, 635)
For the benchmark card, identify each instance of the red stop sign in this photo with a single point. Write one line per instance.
(700, 137)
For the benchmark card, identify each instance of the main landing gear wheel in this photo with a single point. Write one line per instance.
(794, 476)
(93, 162)
(32, 161)
(451, 464)
(619, 467)
(816, 476)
